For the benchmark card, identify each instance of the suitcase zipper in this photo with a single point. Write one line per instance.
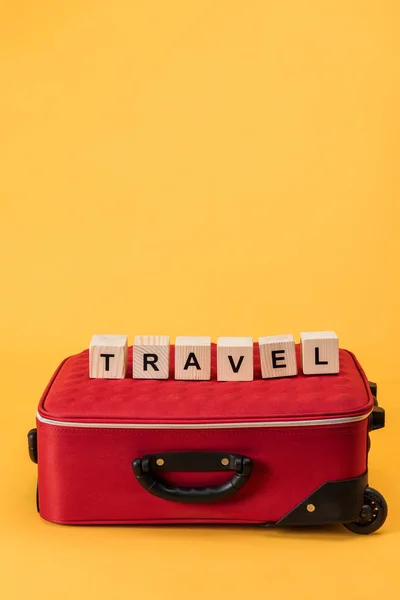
(238, 425)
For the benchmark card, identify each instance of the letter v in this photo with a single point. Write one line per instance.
(235, 368)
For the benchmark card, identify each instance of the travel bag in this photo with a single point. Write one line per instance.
(278, 452)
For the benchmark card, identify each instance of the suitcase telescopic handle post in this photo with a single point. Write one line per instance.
(147, 469)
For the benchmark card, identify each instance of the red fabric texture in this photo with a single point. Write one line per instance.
(85, 474)
(72, 396)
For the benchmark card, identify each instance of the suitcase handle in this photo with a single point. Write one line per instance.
(146, 468)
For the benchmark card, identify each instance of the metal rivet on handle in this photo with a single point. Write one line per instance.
(159, 462)
(310, 507)
(225, 462)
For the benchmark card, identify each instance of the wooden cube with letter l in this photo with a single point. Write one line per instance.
(108, 356)
(319, 352)
(151, 357)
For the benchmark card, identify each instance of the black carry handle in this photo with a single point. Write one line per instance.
(377, 417)
(145, 470)
(32, 445)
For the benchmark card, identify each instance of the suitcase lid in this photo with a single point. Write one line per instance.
(73, 397)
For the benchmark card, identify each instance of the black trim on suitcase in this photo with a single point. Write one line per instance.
(33, 455)
(350, 502)
(373, 388)
(333, 502)
(32, 445)
(377, 418)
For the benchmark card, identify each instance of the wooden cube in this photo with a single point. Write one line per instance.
(151, 357)
(277, 356)
(319, 352)
(235, 359)
(108, 356)
(193, 357)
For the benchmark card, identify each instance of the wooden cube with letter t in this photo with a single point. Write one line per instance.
(151, 357)
(193, 357)
(235, 359)
(108, 356)
(319, 352)
(277, 356)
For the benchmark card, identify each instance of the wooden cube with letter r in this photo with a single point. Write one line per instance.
(151, 357)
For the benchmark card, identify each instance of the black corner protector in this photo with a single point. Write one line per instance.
(377, 418)
(32, 445)
(373, 388)
(333, 502)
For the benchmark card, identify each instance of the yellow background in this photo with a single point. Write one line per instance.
(202, 168)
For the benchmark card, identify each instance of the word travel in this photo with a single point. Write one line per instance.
(108, 356)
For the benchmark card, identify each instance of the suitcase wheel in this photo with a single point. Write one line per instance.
(372, 515)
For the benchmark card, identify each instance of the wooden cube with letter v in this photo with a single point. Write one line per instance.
(235, 359)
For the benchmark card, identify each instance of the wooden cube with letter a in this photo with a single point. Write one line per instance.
(151, 357)
(108, 356)
(193, 357)
(319, 352)
(277, 356)
(235, 359)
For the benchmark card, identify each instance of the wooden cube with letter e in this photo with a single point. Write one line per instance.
(277, 356)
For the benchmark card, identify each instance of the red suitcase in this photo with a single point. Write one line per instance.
(272, 452)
